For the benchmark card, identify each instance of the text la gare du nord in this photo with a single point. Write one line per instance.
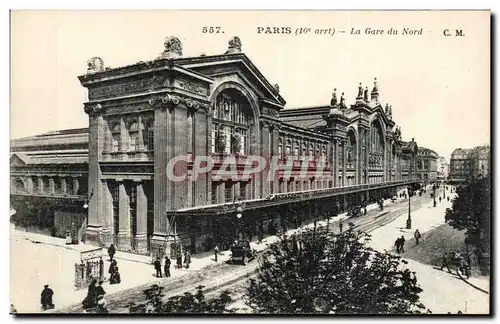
(333, 31)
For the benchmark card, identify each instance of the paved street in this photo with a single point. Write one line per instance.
(385, 226)
(226, 276)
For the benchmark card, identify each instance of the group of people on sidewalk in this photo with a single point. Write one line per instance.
(166, 267)
(400, 241)
(95, 298)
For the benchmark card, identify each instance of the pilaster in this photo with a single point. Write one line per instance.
(142, 219)
(123, 239)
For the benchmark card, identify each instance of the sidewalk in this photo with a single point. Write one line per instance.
(54, 261)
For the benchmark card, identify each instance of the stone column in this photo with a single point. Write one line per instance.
(334, 161)
(63, 184)
(95, 146)
(106, 234)
(123, 240)
(142, 219)
(162, 154)
(51, 185)
(40, 184)
(76, 185)
(265, 134)
(344, 163)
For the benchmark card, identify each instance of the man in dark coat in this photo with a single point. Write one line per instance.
(167, 267)
(46, 298)
(179, 259)
(111, 252)
(397, 243)
(112, 267)
(417, 235)
(99, 290)
(157, 265)
(402, 244)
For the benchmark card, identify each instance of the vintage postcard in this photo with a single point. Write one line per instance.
(255, 162)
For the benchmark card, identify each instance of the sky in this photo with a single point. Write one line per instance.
(439, 87)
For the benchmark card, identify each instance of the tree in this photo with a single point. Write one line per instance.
(187, 303)
(318, 272)
(471, 212)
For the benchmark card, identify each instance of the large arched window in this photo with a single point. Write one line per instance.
(351, 149)
(133, 135)
(376, 145)
(288, 148)
(231, 122)
(18, 185)
(115, 137)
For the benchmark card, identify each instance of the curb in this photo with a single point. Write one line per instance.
(471, 284)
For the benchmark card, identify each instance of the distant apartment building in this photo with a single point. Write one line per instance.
(443, 169)
(426, 165)
(469, 163)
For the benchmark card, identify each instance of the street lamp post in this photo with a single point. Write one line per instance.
(434, 194)
(408, 221)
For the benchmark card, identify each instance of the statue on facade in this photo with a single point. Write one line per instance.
(365, 95)
(342, 101)
(360, 91)
(173, 48)
(375, 85)
(95, 64)
(333, 102)
(390, 111)
(276, 87)
(234, 45)
(387, 109)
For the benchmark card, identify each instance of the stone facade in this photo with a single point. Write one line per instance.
(470, 163)
(146, 115)
(427, 169)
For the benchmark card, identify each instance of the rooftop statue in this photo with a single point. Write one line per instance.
(365, 96)
(173, 47)
(387, 109)
(234, 45)
(333, 102)
(95, 64)
(342, 101)
(360, 91)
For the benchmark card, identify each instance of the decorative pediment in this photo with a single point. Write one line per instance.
(239, 64)
(19, 159)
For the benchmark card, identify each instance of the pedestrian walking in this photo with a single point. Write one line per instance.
(187, 259)
(397, 243)
(216, 252)
(445, 262)
(46, 298)
(111, 252)
(99, 290)
(179, 259)
(115, 277)
(402, 244)
(157, 265)
(112, 266)
(90, 300)
(448, 198)
(417, 235)
(166, 267)
(341, 226)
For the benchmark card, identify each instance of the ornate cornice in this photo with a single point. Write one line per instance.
(93, 109)
(171, 101)
(270, 123)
